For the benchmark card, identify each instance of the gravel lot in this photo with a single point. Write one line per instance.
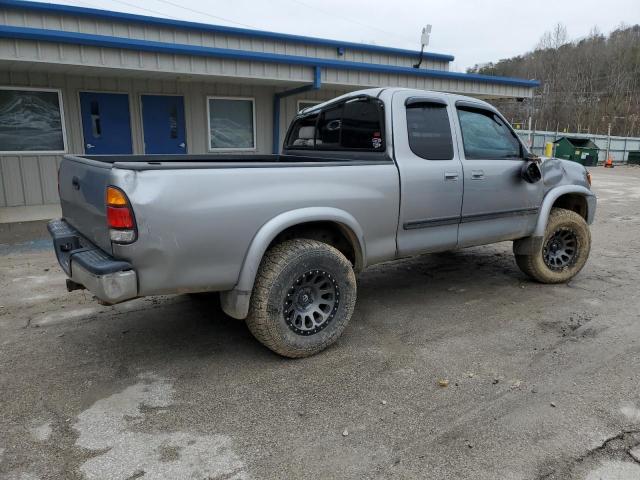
(543, 381)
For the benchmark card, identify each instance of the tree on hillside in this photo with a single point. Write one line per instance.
(586, 85)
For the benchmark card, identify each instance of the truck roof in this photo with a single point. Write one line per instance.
(387, 93)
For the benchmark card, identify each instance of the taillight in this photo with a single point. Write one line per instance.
(120, 219)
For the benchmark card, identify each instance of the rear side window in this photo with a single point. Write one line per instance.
(486, 136)
(329, 129)
(361, 126)
(355, 125)
(429, 131)
(302, 134)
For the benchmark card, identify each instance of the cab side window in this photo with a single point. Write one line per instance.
(429, 131)
(486, 136)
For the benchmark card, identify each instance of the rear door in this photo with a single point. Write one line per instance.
(430, 173)
(498, 204)
(163, 124)
(106, 124)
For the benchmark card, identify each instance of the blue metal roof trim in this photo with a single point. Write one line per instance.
(88, 39)
(157, 21)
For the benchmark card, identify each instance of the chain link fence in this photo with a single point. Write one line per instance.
(617, 148)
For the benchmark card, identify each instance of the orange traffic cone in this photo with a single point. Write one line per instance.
(608, 163)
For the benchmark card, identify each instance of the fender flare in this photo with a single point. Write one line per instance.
(235, 302)
(553, 195)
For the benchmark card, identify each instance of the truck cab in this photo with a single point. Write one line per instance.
(461, 167)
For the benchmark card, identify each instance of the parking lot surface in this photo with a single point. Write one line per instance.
(543, 381)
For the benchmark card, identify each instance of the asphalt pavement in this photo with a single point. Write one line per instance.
(543, 382)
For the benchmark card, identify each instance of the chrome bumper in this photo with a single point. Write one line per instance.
(110, 288)
(110, 280)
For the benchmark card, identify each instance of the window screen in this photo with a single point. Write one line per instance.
(231, 123)
(486, 136)
(429, 131)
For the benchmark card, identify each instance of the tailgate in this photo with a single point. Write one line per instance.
(82, 196)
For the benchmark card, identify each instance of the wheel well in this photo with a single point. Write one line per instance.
(574, 202)
(331, 233)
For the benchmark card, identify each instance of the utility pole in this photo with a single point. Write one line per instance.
(608, 141)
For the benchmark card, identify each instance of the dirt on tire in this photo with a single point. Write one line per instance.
(280, 266)
(534, 265)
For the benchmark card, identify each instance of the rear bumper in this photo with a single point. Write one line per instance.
(111, 280)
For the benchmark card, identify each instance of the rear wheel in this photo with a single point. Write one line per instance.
(564, 250)
(303, 298)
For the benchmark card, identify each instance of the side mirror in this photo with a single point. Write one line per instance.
(531, 172)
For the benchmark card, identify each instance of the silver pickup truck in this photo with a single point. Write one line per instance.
(368, 177)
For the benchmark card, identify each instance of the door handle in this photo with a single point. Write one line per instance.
(89, 146)
(450, 175)
(477, 174)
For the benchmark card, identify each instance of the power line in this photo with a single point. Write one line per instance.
(193, 10)
(145, 9)
(219, 18)
(165, 15)
(357, 22)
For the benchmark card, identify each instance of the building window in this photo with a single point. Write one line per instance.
(303, 132)
(232, 124)
(31, 120)
(302, 104)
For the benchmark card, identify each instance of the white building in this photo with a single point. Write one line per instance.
(80, 80)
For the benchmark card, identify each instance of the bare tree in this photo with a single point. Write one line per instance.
(586, 84)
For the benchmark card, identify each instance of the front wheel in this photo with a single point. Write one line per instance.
(564, 250)
(303, 298)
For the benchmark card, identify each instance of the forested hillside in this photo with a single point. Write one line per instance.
(586, 84)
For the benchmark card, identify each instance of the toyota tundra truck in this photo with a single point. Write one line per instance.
(368, 177)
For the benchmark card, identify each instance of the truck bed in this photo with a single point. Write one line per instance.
(197, 215)
(155, 162)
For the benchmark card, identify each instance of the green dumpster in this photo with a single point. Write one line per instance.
(581, 150)
(634, 157)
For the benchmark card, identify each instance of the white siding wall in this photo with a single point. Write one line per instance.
(184, 65)
(84, 24)
(28, 179)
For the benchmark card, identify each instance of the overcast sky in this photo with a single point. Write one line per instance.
(474, 31)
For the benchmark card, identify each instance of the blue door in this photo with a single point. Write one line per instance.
(163, 124)
(106, 125)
